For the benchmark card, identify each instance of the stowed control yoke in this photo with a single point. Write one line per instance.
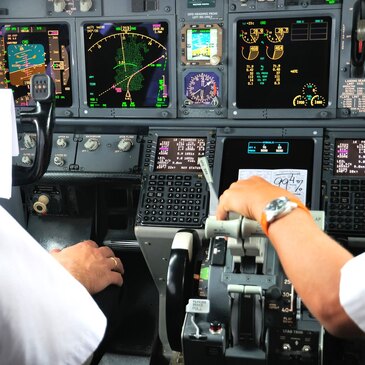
(42, 117)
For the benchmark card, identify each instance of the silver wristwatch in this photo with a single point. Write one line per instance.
(278, 208)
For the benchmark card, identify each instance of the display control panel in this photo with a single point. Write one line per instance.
(85, 153)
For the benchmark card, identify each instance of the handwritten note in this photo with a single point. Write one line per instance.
(293, 180)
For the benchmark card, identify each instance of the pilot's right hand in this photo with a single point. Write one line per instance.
(249, 197)
(93, 266)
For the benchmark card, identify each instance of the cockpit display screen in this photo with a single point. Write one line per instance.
(26, 50)
(287, 163)
(201, 43)
(127, 65)
(283, 63)
(349, 157)
(179, 154)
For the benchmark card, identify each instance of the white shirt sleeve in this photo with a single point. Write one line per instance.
(46, 316)
(352, 289)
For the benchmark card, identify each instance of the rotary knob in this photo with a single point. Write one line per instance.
(58, 161)
(125, 144)
(59, 6)
(28, 141)
(26, 160)
(61, 142)
(85, 5)
(92, 144)
(215, 60)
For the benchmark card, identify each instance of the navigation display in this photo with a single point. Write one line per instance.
(127, 65)
(26, 50)
(349, 157)
(283, 63)
(177, 154)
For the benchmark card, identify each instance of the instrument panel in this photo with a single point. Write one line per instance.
(204, 59)
(144, 88)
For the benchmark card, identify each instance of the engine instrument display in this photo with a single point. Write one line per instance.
(202, 88)
(283, 63)
(179, 154)
(127, 65)
(349, 157)
(26, 50)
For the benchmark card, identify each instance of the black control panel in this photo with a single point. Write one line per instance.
(344, 182)
(174, 190)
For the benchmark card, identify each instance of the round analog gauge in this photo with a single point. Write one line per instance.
(318, 101)
(202, 88)
(252, 36)
(309, 90)
(277, 34)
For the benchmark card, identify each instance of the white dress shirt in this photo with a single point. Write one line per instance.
(46, 316)
(352, 289)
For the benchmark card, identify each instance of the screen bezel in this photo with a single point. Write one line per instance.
(268, 113)
(148, 112)
(59, 111)
(315, 134)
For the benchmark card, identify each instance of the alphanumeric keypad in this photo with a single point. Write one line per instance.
(346, 209)
(174, 200)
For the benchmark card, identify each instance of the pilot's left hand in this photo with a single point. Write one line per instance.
(93, 266)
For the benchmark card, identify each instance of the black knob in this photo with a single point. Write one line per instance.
(273, 292)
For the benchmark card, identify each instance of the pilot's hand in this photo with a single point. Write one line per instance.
(249, 197)
(95, 267)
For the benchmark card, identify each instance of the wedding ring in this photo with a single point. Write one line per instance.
(115, 261)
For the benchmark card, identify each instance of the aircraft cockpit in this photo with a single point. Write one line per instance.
(159, 106)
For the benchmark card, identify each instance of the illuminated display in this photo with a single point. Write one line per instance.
(179, 154)
(202, 88)
(288, 162)
(127, 65)
(201, 44)
(26, 50)
(350, 157)
(268, 147)
(283, 63)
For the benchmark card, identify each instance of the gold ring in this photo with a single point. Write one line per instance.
(115, 261)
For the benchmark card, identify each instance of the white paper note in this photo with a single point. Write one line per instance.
(293, 180)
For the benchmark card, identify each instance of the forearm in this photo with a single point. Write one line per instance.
(310, 258)
(312, 261)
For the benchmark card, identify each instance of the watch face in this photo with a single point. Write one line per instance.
(277, 204)
(275, 208)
